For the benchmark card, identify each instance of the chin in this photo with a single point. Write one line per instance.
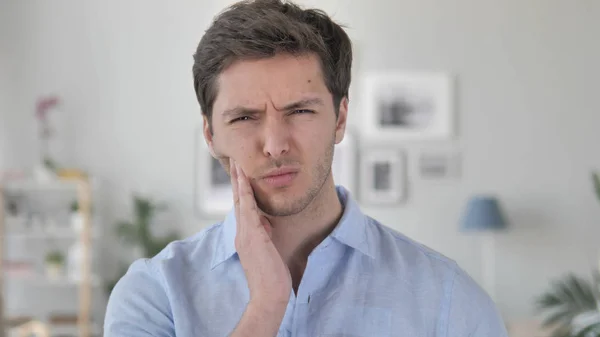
(291, 199)
(283, 203)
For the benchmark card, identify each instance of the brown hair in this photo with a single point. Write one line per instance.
(262, 28)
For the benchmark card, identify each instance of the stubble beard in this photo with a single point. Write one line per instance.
(288, 206)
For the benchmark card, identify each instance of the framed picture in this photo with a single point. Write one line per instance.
(345, 162)
(409, 105)
(439, 165)
(383, 176)
(213, 192)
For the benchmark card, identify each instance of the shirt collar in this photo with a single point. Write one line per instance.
(352, 230)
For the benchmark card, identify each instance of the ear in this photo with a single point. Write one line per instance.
(208, 137)
(340, 126)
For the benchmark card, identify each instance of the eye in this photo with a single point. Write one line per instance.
(239, 119)
(303, 111)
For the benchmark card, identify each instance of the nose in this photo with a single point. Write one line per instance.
(276, 137)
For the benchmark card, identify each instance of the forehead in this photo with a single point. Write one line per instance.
(277, 80)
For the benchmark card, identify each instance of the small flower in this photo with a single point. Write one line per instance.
(44, 104)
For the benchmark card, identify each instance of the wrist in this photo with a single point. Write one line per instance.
(268, 308)
(259, 319)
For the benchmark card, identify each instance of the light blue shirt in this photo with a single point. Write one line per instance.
(363, 280)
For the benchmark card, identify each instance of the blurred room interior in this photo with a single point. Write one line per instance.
(472, 127)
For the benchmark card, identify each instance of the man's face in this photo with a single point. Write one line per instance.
(274, 114)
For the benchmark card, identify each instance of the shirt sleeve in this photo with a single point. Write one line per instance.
(471, 311)
(138, 305)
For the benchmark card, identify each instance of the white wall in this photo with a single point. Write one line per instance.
(526, 103)
(3, 85)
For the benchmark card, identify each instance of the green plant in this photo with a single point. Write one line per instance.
(567, 298)
(138, 232)
(50, 164)
(572, 297)
(74, 206)
(589, 331)
(55, 257)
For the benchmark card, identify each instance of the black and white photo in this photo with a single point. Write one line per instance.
(383, 176)
(439, 164)
(219, 177)
(345, 161)
(408, 106)
(382, 171)
(213, 193)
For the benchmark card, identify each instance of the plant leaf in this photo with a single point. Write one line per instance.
(567, 298)
(549, 300)
(560, 318)
(563, 331)
(127, 232)
(590, 331)
(596, 180)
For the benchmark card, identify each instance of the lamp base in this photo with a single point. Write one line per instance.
(488, 263)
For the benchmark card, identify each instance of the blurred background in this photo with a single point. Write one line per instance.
(505, 114)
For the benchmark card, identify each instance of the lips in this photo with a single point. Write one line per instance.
(280, 177)
(279, 172)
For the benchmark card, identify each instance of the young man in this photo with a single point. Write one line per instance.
(296, 256)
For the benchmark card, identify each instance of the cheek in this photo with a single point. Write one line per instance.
(235, 146)
(313, 138)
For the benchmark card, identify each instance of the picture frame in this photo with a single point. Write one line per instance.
(345, 162)
(383, 177)
(213, 195)
(438, 164)
(409, 105)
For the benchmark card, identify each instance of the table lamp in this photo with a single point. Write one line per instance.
(483, 215)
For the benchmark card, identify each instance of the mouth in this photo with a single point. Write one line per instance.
(280, 177)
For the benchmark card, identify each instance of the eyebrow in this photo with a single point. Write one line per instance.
(240, 110)
(303, 103)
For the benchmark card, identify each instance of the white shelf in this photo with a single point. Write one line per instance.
(72, 330)
(65, 330)
(25, 277)
(43, 281)
(29, 185)
(59, 233)
(32, 185)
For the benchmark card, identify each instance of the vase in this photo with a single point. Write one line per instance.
(42, 174)
(77, 220)
(75, 261)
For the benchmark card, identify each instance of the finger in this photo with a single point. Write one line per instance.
(234, 182)
(247, 203)
(236, 194)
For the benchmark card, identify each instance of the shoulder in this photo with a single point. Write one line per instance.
(470, 311)
(141, 300)
(464, 306)
(406, 252)
(199, 247)
(149, 274)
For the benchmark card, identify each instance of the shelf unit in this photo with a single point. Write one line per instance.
(83, 189)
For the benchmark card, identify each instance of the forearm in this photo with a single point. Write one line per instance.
(259, 321)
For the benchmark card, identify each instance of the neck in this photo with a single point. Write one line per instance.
(296, 236)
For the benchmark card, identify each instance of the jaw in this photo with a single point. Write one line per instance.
(299, 200)
(281, 201)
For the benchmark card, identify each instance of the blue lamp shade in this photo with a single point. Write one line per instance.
(483, 214)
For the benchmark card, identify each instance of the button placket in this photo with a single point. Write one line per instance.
(311, 279)
(286, 324)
